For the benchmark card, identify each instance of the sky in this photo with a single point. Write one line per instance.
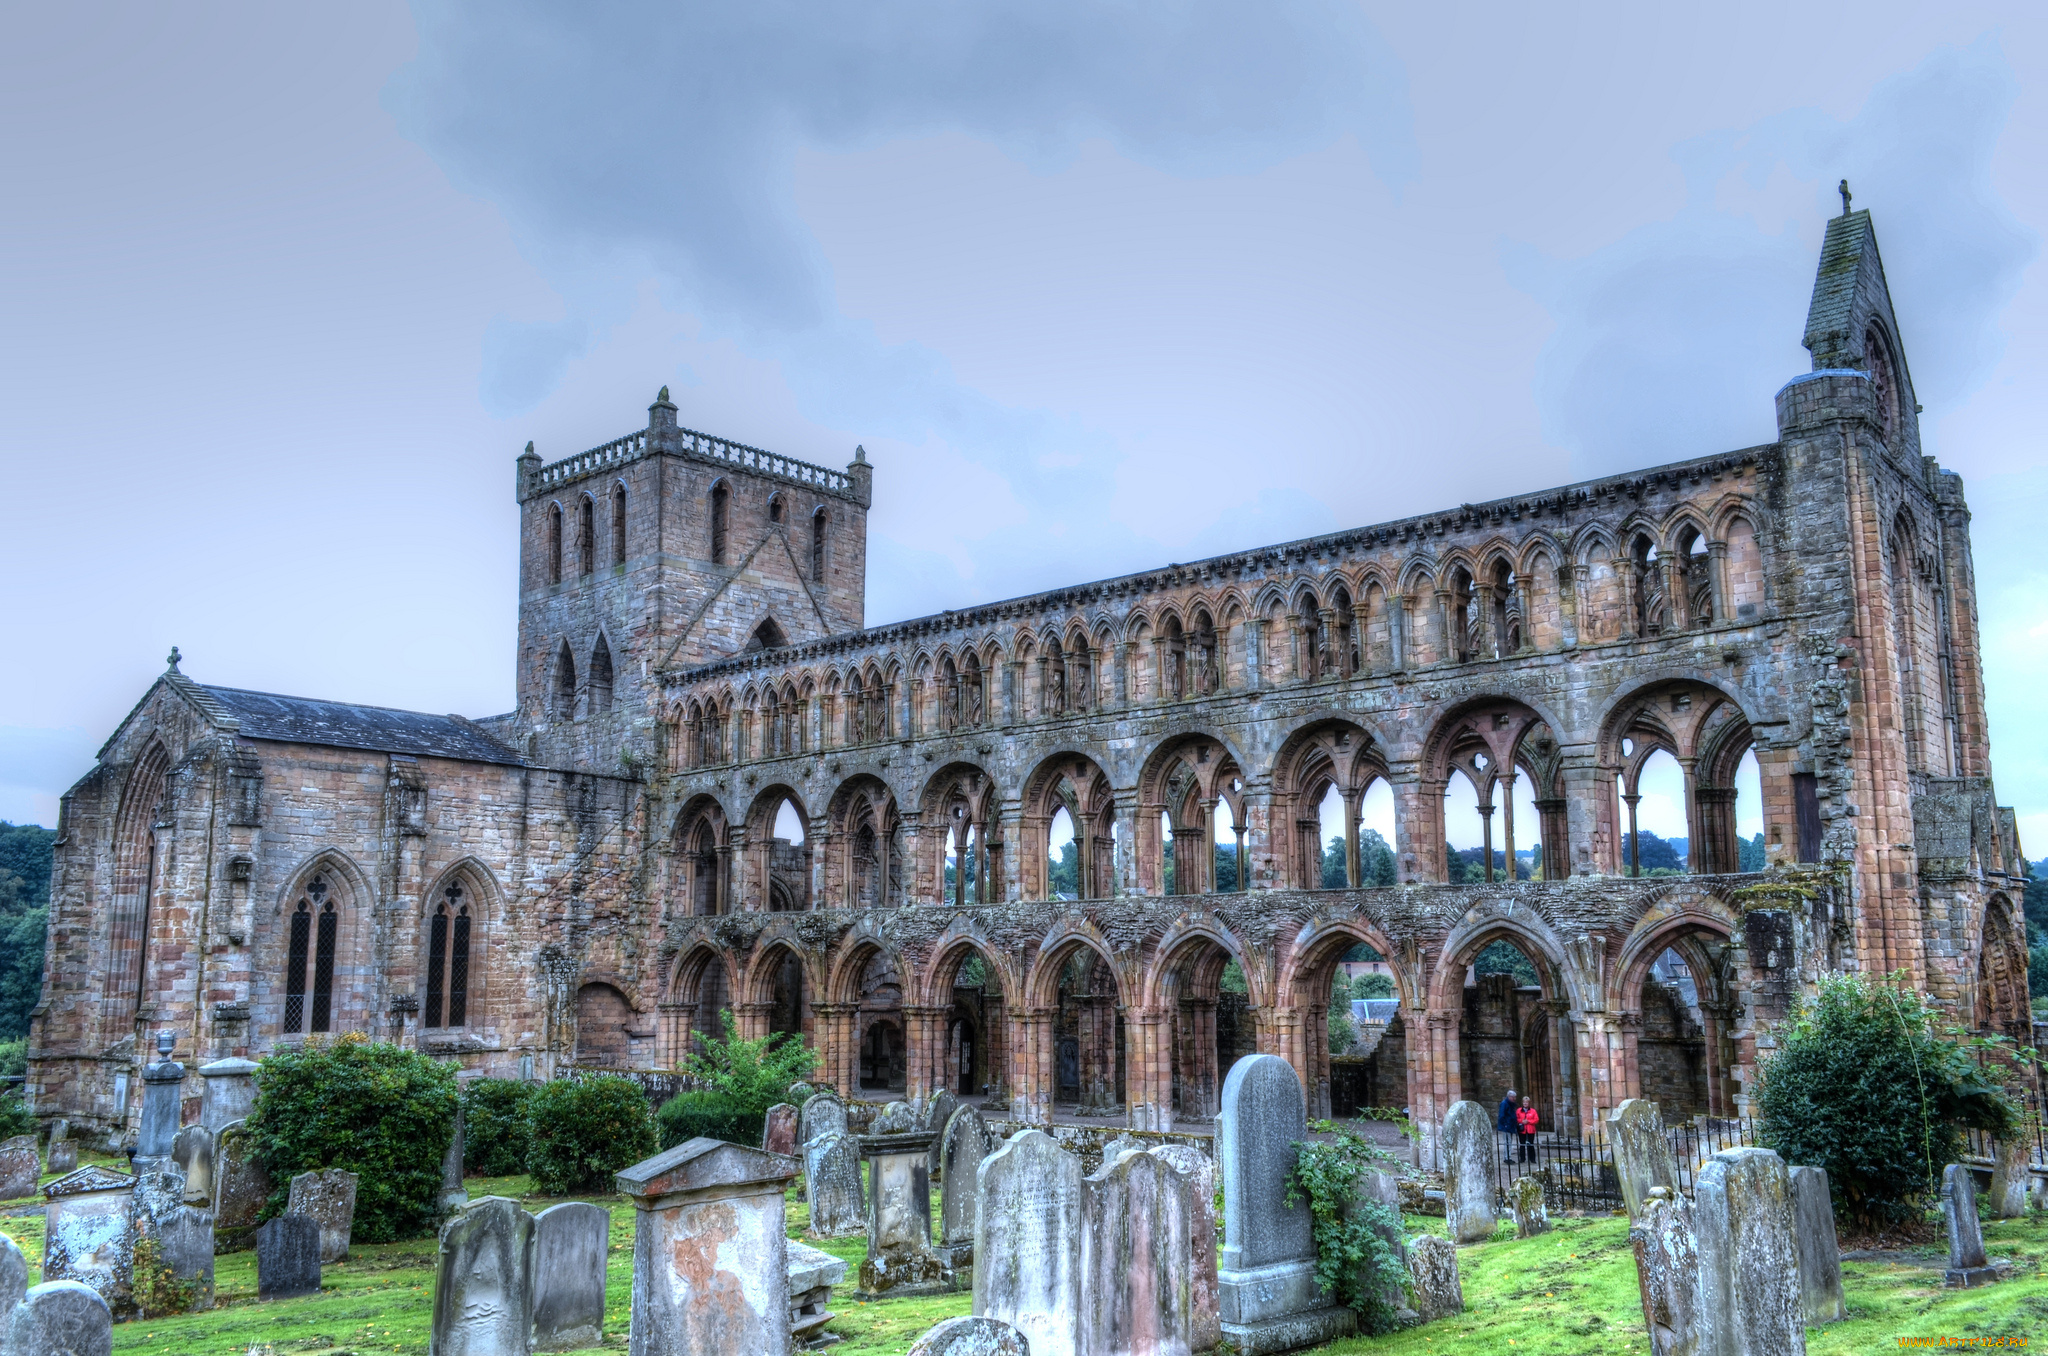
(1097, 287)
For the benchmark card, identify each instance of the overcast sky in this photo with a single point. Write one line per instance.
(1099, 287)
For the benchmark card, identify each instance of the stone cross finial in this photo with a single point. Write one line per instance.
(1844, 191)
(173, 659)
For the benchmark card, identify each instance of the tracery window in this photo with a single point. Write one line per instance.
(448, 961)
(309, 961)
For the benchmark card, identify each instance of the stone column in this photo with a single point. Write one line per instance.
(1717, 577)
(752, 1019)
(1148, 1075)
(1352, 870)
(924, 1041)
(1202, 1061)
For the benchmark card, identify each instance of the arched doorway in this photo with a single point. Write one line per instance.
(974, 1055)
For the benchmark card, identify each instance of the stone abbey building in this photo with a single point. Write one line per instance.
(720, 791)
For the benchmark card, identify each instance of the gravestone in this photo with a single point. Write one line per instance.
(778, 1132)
(1967, 1265)
(1198, 1172)
(184, 1240)
(897, 1118)
(822, 1114)
(162, 1102)
(89, 1234)
(2011, 1175)
(710, 1257)
(570, 1241)
(900, 1259)
(1433, 1275)
(1384, 1189)
(1265, 1272)
(972, 1337)
(938, 1110)
(1471, 1172)
(1820, 1251)
(13, 1279)
(20, 1166)
(1525, 1200)
(961, 1148)
(1137, 1266)
(1027, 1242)
(240, 1190)
(60, 1128)
(60, 1318)
(230, 1092)
(288, 1257)
(1122, 1144)
(812, 1274)
(1749, 1302)
(193, 1152)
(63, 1156)
(832, 1170)
(484, 1281)
(1667, 1273)
(1642, 1156)
(329, 1198)
(454, 1195)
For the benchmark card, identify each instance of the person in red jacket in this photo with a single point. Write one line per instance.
(1525, 1122)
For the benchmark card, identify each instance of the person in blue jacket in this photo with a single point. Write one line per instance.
(1504, 1122)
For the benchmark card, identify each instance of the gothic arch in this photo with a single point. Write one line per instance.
(138, 862)
(1072, 781)
(459, 915)
(316, 975)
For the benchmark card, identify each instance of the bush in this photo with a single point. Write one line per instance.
(380, 1111)
(494, 1130)
(1354, 1260)
(753, 1075)
(16, 1118)
(13, 1058)
(1864, 1084)
(584, 1130)
(691, 1114)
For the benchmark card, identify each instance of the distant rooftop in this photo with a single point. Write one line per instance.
(344, 725)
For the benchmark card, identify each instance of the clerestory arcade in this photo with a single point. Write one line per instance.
(1071, 850)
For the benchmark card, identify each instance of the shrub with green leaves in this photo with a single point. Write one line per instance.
(711, 1115)
(494, 1128)
(751, 1074)
(1868, 1084)
(584, 1130)
(1355, 1261)
(16, 1118)
(380, 1111)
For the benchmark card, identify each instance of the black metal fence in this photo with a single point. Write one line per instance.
(1578, 1174)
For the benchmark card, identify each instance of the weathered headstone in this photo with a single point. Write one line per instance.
(822, 1114)
(60, 1128)
(1642, 1156)
(162, 1102)
(63, 1156)
(1137, 1266)
(484, 1281)
(897, 1118)
(812, 1274)
(241, 1188)
(570, 1241)
(230, 1093)
(20, 1165)
(710, 1261)
(1820, 1251)
(1525, 1199)
(288, 1257)
(1117, 1148)
(972, 1337)
(900, 1259)
(13, 1280)
(1749, 1302)
(1265, 1272)
(1383, 1189)
(1198, 1171)
(961, 1148)
(1027, 1242)
(778, 1132)
(180, 1234)
(1471, 1172)
(454, 1195)
(1433, 1275)
(1967, 1265)
(938, 1109)
(832, 1176)
(1667, 1273)
(329, 1197)
(89, 1234)
(60, 1318)
(2011, 1175)
(193, 1152)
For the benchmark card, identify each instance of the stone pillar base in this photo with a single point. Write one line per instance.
(1291, 1332)
(1969, 1278)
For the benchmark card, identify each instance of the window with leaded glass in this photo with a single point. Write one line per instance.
(448, 961)
(309, 961)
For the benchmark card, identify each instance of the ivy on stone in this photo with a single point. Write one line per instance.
(1355, 1260)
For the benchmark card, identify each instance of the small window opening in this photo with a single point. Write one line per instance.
(721, 503)
(554, 543)
(619, 525)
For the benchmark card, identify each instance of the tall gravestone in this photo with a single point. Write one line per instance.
(240, 1188)
(710, 1257)
(961, 1148)
(570, 1241)
(832, 1177)
(900, 1259)
(1137, 1271)
(60, 1318)
(1967, 1264)
(483, 1284)
(1265, 1274)
(822, 1114)
(21, 1166)
(1820, 1251)
(288, 1257)
(1471, 1172)
(1667, 1273)
(1749, 1301)
(193, 1152)
(329, 1198)
(454, 1195)
(2012, 1162)
(938, 1110)
(1027, 1242)
(1525, 1201)
(230, 1092)
(1198, 1172)
(162, 1102)
(1383, 1189)
(1642, 1156)
(89, 1234)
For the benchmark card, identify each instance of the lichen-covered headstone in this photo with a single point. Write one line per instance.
(89, 1234)
(1967, 1265)
(241, 1187)
(1471, 1172)
(1198, 1172)
(1749, 1302)
(483, 1284)
(328, 1197)
(812, 1274)
(60, 1318)
(1137, 1265)
(570, 1241)
(778, 1130)
(897, 1118)
(961, 1148)
(822, 1114)
(1116, 1148)
(972, 1337)
(1642, 1156)
(900, 1259)
(20, 1165)
(1027, 1242)
(1525, 1199)
(1433, 1277)
(63, 1155)
(1820, 1251)
(288, 1257)
(2011, 1175)
(1667, 1273)
(832, 1172)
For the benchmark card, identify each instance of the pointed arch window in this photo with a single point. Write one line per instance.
(554, 543)
(309, 961)
(586, 536)
(600, 678)
(818, 547)
(618, 524)
(448, 961)
(565, 684)
(721, 509)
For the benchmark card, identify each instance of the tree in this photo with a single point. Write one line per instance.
(1334, 875)
(1375, 858)
(1752, 852)
(1373, 985)
(1657, 854)
(752, 1074)
(26, 851)
(1505, 958)
(1065, 874)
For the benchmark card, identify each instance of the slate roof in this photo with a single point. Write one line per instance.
(344, 725)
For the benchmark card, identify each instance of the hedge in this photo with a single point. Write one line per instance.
(495, 1134)
(689, 1115)
(584, 1130)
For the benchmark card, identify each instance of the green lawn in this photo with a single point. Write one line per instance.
(1571, 1292)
